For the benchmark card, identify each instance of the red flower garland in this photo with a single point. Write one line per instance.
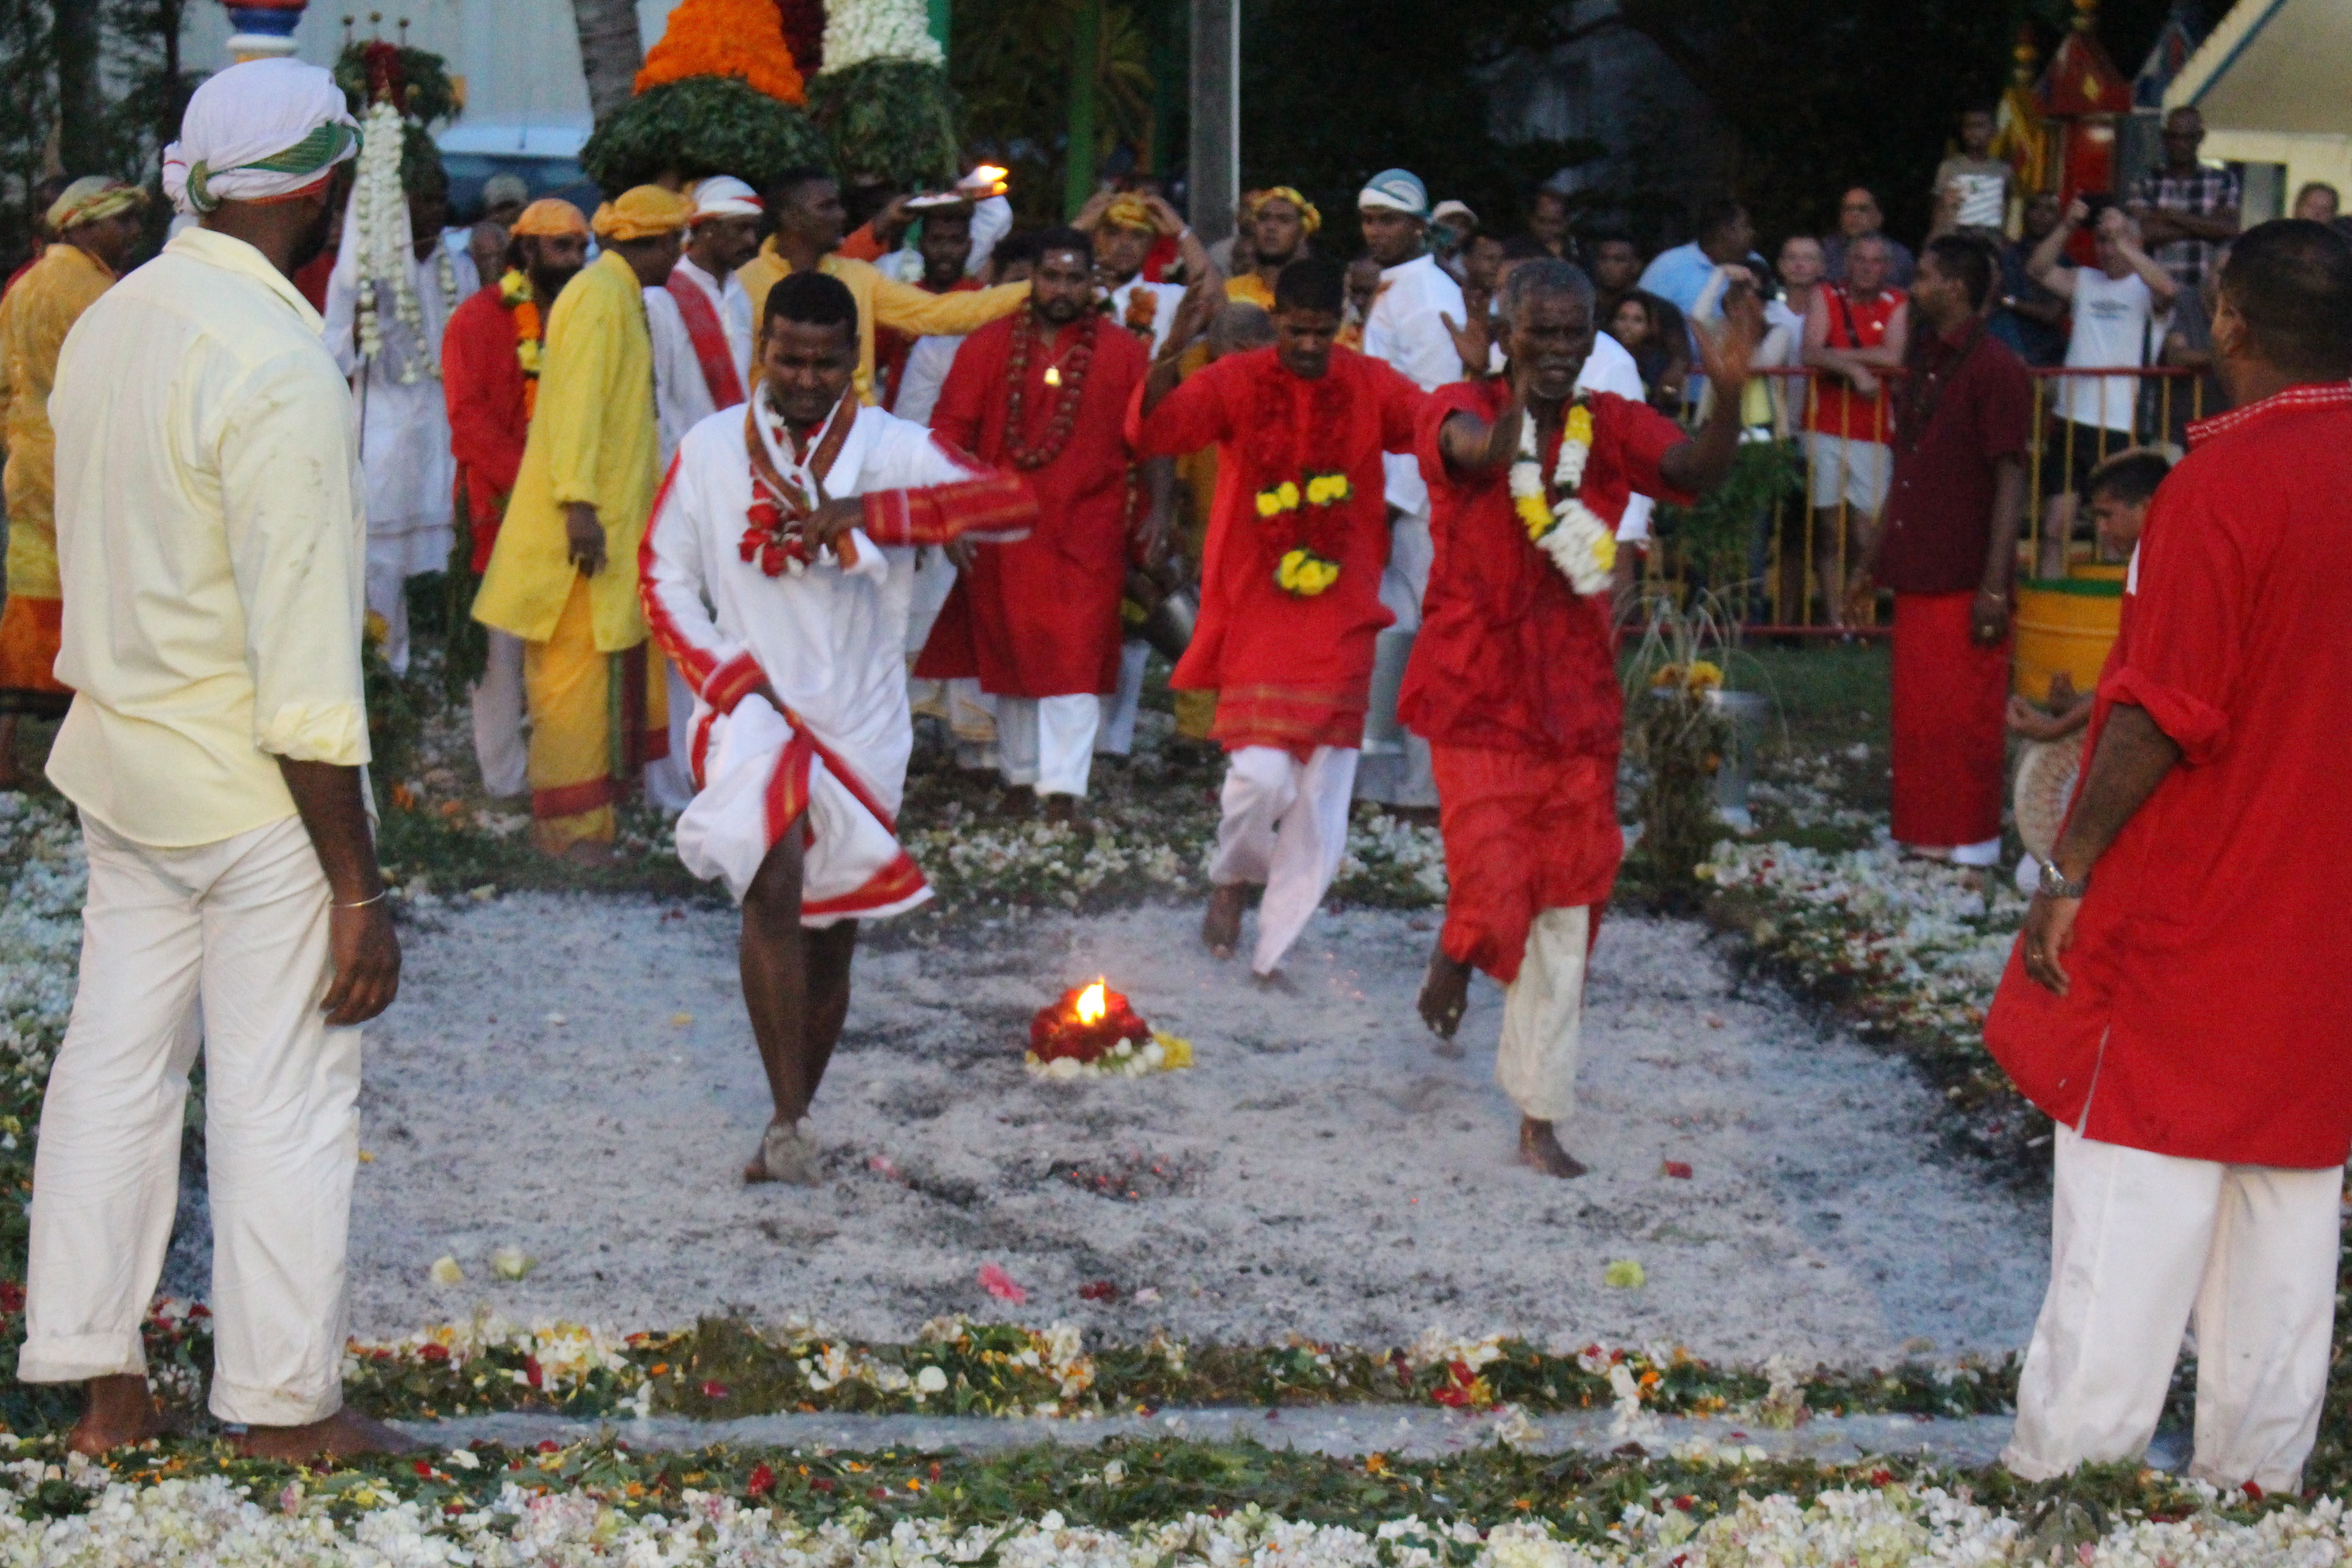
(1065, 414)
(775, 533)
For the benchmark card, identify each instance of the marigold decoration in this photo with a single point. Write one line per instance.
(1302, 568)
(1699, 675)
(739, 38)
(1583, 547)
(1142, 316)
(522, 307)
(1093, 1032)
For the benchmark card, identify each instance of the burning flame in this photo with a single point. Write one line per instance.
(987, 180)
(1091, 1006)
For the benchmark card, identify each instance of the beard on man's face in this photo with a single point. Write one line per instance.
(313, 239)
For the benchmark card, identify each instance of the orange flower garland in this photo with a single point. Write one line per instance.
(742, 38)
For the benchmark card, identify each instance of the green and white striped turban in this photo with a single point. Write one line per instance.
(259, 131)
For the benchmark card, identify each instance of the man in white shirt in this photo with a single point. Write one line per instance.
(2116, 306)
(403, 415)
(794, 652)
(212, 545)
(1407, 328)
(700, 320)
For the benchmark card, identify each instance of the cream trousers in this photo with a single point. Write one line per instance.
(1543, 1017)
(2142, 1243)
(241, 925)
(1285, 825)
(498, 715)
(1047, 742)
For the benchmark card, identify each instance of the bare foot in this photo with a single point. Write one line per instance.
(1018, 801)
(1220, 927)
(1539, 1149)
(1444, 997)
(1065, 809)
(787, 1153)
(594, 854)
(340, 1435)
(120, 1411)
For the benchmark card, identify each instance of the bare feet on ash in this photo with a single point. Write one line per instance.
(1444, 997)
(1220, 927)
(787, 1153)
(1539, 1148)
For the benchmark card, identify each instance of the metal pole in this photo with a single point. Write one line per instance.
(1216, 171)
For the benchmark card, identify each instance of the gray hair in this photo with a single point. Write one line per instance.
(1238, 326)
(1529, 280)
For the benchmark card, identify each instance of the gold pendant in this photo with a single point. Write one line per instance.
(1053, 375)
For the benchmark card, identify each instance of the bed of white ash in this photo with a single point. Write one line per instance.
(573, 1076)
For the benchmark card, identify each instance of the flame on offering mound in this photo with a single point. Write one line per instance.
(1091, 1006)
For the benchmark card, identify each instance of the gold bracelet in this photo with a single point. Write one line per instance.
(382, 894)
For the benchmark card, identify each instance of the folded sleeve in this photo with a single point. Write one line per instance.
(671, 565)
(290, 503)
(2187, 613)
(917, 313)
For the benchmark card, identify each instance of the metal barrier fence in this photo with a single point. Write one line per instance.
(1775, 543)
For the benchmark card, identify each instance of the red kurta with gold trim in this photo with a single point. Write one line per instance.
(1040, 618)
(2210, 1014)
(1289, 671)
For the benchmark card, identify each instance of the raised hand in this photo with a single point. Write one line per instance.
(1472, 340)
(1726, 350)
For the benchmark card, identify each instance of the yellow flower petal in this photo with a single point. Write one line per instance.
(1579, 424)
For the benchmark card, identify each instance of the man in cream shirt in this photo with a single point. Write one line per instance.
(213, 546)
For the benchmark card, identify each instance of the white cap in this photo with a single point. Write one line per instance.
(723, 196)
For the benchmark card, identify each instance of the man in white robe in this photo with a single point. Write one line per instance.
(776, 573)
(404, 417)
(701, 320)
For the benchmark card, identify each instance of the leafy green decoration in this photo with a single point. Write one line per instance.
(891, 119)
(702, 125)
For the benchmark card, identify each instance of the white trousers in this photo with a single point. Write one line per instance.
(1406, 778)
(498, 714)
(1543, 1017)
(241, 924)
(1116, 738)
(669, 781)
(2140, 1244)
(1285, 825)
(1047, 742)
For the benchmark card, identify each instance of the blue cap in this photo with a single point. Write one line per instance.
(1398, 190)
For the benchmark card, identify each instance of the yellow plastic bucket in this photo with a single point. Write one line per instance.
(2065, 624)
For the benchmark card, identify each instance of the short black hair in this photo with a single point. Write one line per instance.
(1526, 248)
(810, 299)
(1719, 216)
(2131, 476)
(1016, 248)
(1479, 233)
(787, 186)
(2290, 280)
(1311, 283)
(1062, 237)
(1967, 260)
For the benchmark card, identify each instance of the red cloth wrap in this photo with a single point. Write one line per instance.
(709, 340)
(482, 382)
(1523, 834)
(1290, 672)
(1040, 617)
(1950, 723)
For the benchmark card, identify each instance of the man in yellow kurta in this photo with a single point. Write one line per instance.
(562, 576)
(809, 216)
(96, 221)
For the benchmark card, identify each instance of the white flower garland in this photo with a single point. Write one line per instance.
(1583, 547)
(379, 223)
(857, 31)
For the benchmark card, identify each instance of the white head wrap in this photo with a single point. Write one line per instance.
(263, 129)
(723, 196)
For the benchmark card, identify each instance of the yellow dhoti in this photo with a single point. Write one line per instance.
(596, 719)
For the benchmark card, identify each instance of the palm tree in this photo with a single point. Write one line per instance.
(610, 51)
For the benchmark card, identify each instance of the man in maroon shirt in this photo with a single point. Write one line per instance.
(1514, 676)
(1947, 544)
(2180, 999)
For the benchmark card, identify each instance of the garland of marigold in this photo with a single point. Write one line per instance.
(742, 38)
(1065, 412)
(522, 307)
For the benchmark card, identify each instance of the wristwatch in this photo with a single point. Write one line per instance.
(2054, 885)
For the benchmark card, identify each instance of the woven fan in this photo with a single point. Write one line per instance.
(2046, 771)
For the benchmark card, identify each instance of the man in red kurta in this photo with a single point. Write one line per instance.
(1290, 590)
(2181, 998)
(489, 376)
(1514, 676)
(1044, 393)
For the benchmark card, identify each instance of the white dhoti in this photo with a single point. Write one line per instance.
(1047, 742)
(2141, 1243)
(1404, 777)
(1286, 825)
(395, 554)
(498, 715)
(761, 779)
(241, 924)
(1543, 1016)
(1116, 736)
(669, 781)
(934, 577)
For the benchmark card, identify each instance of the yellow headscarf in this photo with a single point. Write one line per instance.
(90, 199)
(642, 213)
(1129, 210)
(1312, 219)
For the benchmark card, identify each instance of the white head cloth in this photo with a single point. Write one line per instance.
(266, 128)
(723, 196)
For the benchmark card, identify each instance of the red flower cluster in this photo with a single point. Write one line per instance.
(1072, 368)
(773, 536)
(1057, 1031)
